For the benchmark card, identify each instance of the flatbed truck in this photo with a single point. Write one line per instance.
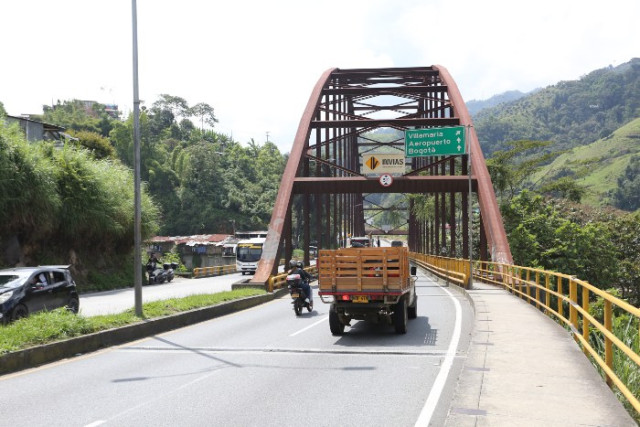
(371, 284)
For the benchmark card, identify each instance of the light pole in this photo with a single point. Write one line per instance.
(137, 261)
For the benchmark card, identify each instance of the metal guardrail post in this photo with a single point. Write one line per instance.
(573, 296)
(585, 320)
(608, 346)
(560, 295)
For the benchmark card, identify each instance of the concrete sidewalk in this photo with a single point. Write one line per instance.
(523, 369)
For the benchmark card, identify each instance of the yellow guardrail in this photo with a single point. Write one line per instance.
(217, 270)
(278, 281)
(455, 270)
(568, 300)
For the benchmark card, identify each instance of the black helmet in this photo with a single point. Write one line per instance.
(293, 263)
(300, 264)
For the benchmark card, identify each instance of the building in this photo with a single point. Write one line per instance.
(38, 131)
(202, 250)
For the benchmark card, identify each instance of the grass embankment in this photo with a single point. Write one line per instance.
(58, 325)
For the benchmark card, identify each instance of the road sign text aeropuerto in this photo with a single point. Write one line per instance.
(434, 142)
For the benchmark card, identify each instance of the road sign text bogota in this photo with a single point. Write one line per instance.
(434, 142)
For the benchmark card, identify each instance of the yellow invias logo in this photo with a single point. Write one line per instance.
(372, 163)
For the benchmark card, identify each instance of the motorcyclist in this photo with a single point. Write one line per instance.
(152, 265)
(296, 267)
(153, 260)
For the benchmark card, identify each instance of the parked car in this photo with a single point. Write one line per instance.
(397, 243)
(26, 290)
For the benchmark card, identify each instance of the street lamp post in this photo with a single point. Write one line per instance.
(137, 255)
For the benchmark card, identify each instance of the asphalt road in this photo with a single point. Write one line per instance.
(259, 367)
(111, 302)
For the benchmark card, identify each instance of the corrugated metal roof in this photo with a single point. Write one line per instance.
(197, 239)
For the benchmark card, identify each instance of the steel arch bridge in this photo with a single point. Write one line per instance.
(324, 192)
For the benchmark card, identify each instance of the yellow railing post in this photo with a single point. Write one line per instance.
(608, 347)
(560, 296)
(573, 296)
(537, 289)
(547, 285)
(585, 320)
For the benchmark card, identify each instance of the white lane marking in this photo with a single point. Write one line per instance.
(309, 327)
(434, 395)
(96, 423)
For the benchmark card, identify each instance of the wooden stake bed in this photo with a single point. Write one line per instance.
(364, 270)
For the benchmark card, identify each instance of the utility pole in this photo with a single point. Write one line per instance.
(267, 136)
(137, 256)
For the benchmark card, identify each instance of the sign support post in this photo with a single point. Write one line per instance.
(470, 213)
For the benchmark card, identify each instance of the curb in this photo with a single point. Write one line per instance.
(52, 352)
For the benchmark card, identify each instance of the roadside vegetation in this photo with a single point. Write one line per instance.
(71, 201)
(58, 325)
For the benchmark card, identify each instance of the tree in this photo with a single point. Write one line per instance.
(205, 113)
(508, 174)
(98, 145)
(176, 105)
(76, 115)
(625, 236)
(565, 188)
(627, 195)
(541, 235)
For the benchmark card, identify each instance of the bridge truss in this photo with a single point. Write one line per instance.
(324, 196)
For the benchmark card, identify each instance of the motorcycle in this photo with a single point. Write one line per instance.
(161, 275)
(294, 284)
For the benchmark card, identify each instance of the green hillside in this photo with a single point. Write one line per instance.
(570, 113)
(596, 166)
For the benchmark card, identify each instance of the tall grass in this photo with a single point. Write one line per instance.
(62, 206)
(626, 328)
(98, 200)
(29, 199)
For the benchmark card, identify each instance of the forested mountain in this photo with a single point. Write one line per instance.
(570, 113)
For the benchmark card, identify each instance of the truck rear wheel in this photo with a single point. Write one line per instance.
(400, 317)
(336, 326)
(412, 310)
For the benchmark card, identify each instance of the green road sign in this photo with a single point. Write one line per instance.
(434, 142)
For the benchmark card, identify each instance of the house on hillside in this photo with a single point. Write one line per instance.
(38, 131)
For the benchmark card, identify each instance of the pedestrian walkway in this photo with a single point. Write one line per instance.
(523, 369)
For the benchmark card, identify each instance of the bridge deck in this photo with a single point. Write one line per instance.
(524, 369)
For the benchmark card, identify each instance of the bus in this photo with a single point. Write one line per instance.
(248, 253)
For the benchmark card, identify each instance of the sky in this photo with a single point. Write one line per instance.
(256, 62)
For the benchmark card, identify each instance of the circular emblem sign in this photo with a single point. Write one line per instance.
(386, 180)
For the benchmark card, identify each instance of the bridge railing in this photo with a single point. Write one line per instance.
(606, 327)
(452, 269)
(280, 280)
(217, 270)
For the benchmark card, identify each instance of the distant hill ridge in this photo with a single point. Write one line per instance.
(474, 106)
(569, 113)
